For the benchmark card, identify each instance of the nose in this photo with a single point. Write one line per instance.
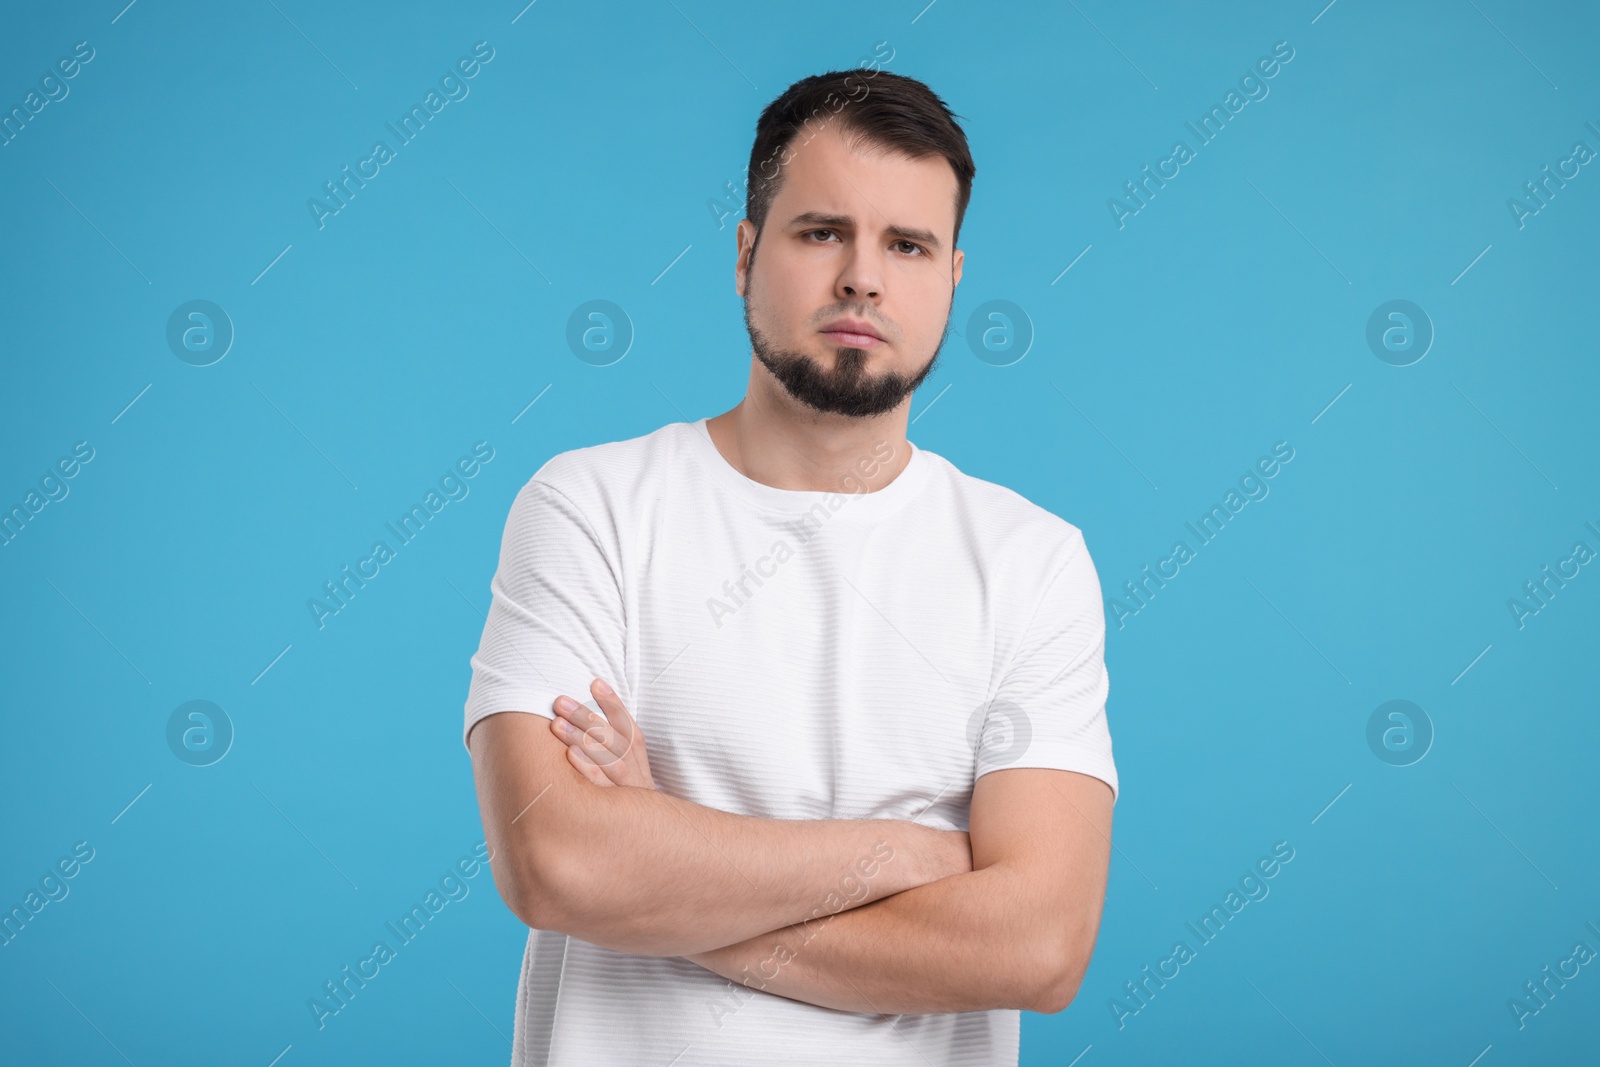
(861, 277)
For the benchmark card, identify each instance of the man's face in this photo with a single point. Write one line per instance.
(863, 235)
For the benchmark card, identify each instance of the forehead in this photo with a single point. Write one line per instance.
(878, 187)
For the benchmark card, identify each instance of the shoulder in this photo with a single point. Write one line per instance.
(605, 475)
(1015, 528)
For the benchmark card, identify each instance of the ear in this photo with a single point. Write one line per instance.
(955, 267)
(745, 234)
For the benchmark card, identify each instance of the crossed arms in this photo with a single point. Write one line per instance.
(866, 915)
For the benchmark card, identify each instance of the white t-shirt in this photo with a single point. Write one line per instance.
(795, 655)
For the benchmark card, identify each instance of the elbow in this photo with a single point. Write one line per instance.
(1059, 974)
(538, 892)
(537, 910)
(562, 895)
(1054, 995)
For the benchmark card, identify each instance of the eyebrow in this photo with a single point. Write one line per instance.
(845, 222)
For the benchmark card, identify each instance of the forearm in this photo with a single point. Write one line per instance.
(641, 871)
(968, 942)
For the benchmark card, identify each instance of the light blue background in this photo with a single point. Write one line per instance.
(1222, 318)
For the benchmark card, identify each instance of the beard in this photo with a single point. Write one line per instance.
(847, 389)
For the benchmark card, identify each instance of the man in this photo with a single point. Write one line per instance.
(851, 792)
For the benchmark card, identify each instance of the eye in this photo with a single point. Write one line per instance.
(808, 233)
(916, 249)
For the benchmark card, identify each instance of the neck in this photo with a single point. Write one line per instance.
(771, 438)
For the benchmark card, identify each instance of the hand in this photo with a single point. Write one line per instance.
(608, 750)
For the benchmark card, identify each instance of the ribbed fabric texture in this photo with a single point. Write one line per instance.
(796, 655)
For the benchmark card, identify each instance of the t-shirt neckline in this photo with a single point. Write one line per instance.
(793, 501)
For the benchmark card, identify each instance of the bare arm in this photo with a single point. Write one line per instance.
(637, 870)
(1018, 929)
(1015, 932)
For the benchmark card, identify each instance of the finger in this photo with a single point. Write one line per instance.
(579, 715)
(621, 721)
(598, 743)
(586, 767)
(565, 731)
(596, 754)
(595, 725)
(592, 749)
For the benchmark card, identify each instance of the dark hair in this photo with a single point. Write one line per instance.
(870, 106)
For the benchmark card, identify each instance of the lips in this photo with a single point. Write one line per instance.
(853, 332)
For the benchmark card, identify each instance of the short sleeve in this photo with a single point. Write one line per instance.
(1049, 708)
(555, 616)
